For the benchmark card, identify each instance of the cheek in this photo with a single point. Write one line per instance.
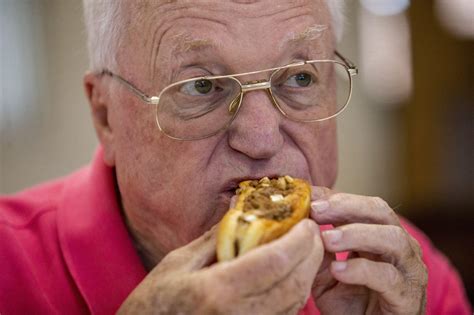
(134, 143)
(319, 145)
(329, 155)
(162, 184)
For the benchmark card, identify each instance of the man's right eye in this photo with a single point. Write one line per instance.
(299, 80)
(198, 87)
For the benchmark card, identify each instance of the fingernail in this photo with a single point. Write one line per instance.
(332, 236)
(320, 206)
(339, 265)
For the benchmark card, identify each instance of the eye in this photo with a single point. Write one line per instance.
(198, 87)
(299, 80)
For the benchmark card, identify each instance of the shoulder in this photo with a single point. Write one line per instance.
(23, 208)
(34, 274)
(445, 292)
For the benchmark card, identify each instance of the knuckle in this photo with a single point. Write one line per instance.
(379, 203)
(407, 248)
(415, 252)
(416, 247)
(397, 232)
(337, 198)
(393, 217)
(319, 192)
(401, 237)
(382, 206)
(393, 276)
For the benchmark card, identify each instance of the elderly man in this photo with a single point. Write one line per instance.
(188, 98)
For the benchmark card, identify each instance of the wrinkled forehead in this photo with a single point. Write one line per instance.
(171, 29)
(247, 16)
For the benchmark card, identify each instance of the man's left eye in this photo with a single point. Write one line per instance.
(299, 80)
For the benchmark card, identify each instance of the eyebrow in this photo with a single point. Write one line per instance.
(186, 43)
(311, 33)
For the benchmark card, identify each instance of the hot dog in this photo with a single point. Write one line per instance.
(265, 210)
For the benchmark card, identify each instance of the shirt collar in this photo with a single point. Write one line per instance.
(96, 245)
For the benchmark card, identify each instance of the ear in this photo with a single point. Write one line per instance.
(100, 104)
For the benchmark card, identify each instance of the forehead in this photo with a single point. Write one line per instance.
(235, 16)
(175, 28)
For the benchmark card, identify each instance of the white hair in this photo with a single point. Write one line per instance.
(105, 26)
(336, 8)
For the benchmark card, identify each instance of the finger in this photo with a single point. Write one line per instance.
(342, 208)
(319, 192)
(381, 277)
(290, 294)
(200, 253)
(391, 242)
(263, 267)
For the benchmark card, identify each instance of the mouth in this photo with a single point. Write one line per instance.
(231, 185)
(228, 191)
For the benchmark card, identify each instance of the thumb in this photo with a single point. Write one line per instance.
(196, 255)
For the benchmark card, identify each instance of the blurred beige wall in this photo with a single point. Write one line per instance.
(45, 126)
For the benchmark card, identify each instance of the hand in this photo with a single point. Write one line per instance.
(275, 278)
(384, 273)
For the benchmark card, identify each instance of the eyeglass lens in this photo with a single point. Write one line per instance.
(198, 108)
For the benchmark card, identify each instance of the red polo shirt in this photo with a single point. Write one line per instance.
(64, 249)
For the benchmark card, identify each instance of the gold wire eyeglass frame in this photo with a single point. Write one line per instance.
(256, 85)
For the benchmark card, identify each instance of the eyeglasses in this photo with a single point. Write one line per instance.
(200, 107)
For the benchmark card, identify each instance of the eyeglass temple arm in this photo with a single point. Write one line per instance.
(353, 70)
(147, 99)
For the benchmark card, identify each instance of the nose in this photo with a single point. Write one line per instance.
(255, 131)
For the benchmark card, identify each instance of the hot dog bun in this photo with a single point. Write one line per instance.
(265, 210)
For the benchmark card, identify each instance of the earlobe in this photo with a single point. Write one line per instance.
(99, 102)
